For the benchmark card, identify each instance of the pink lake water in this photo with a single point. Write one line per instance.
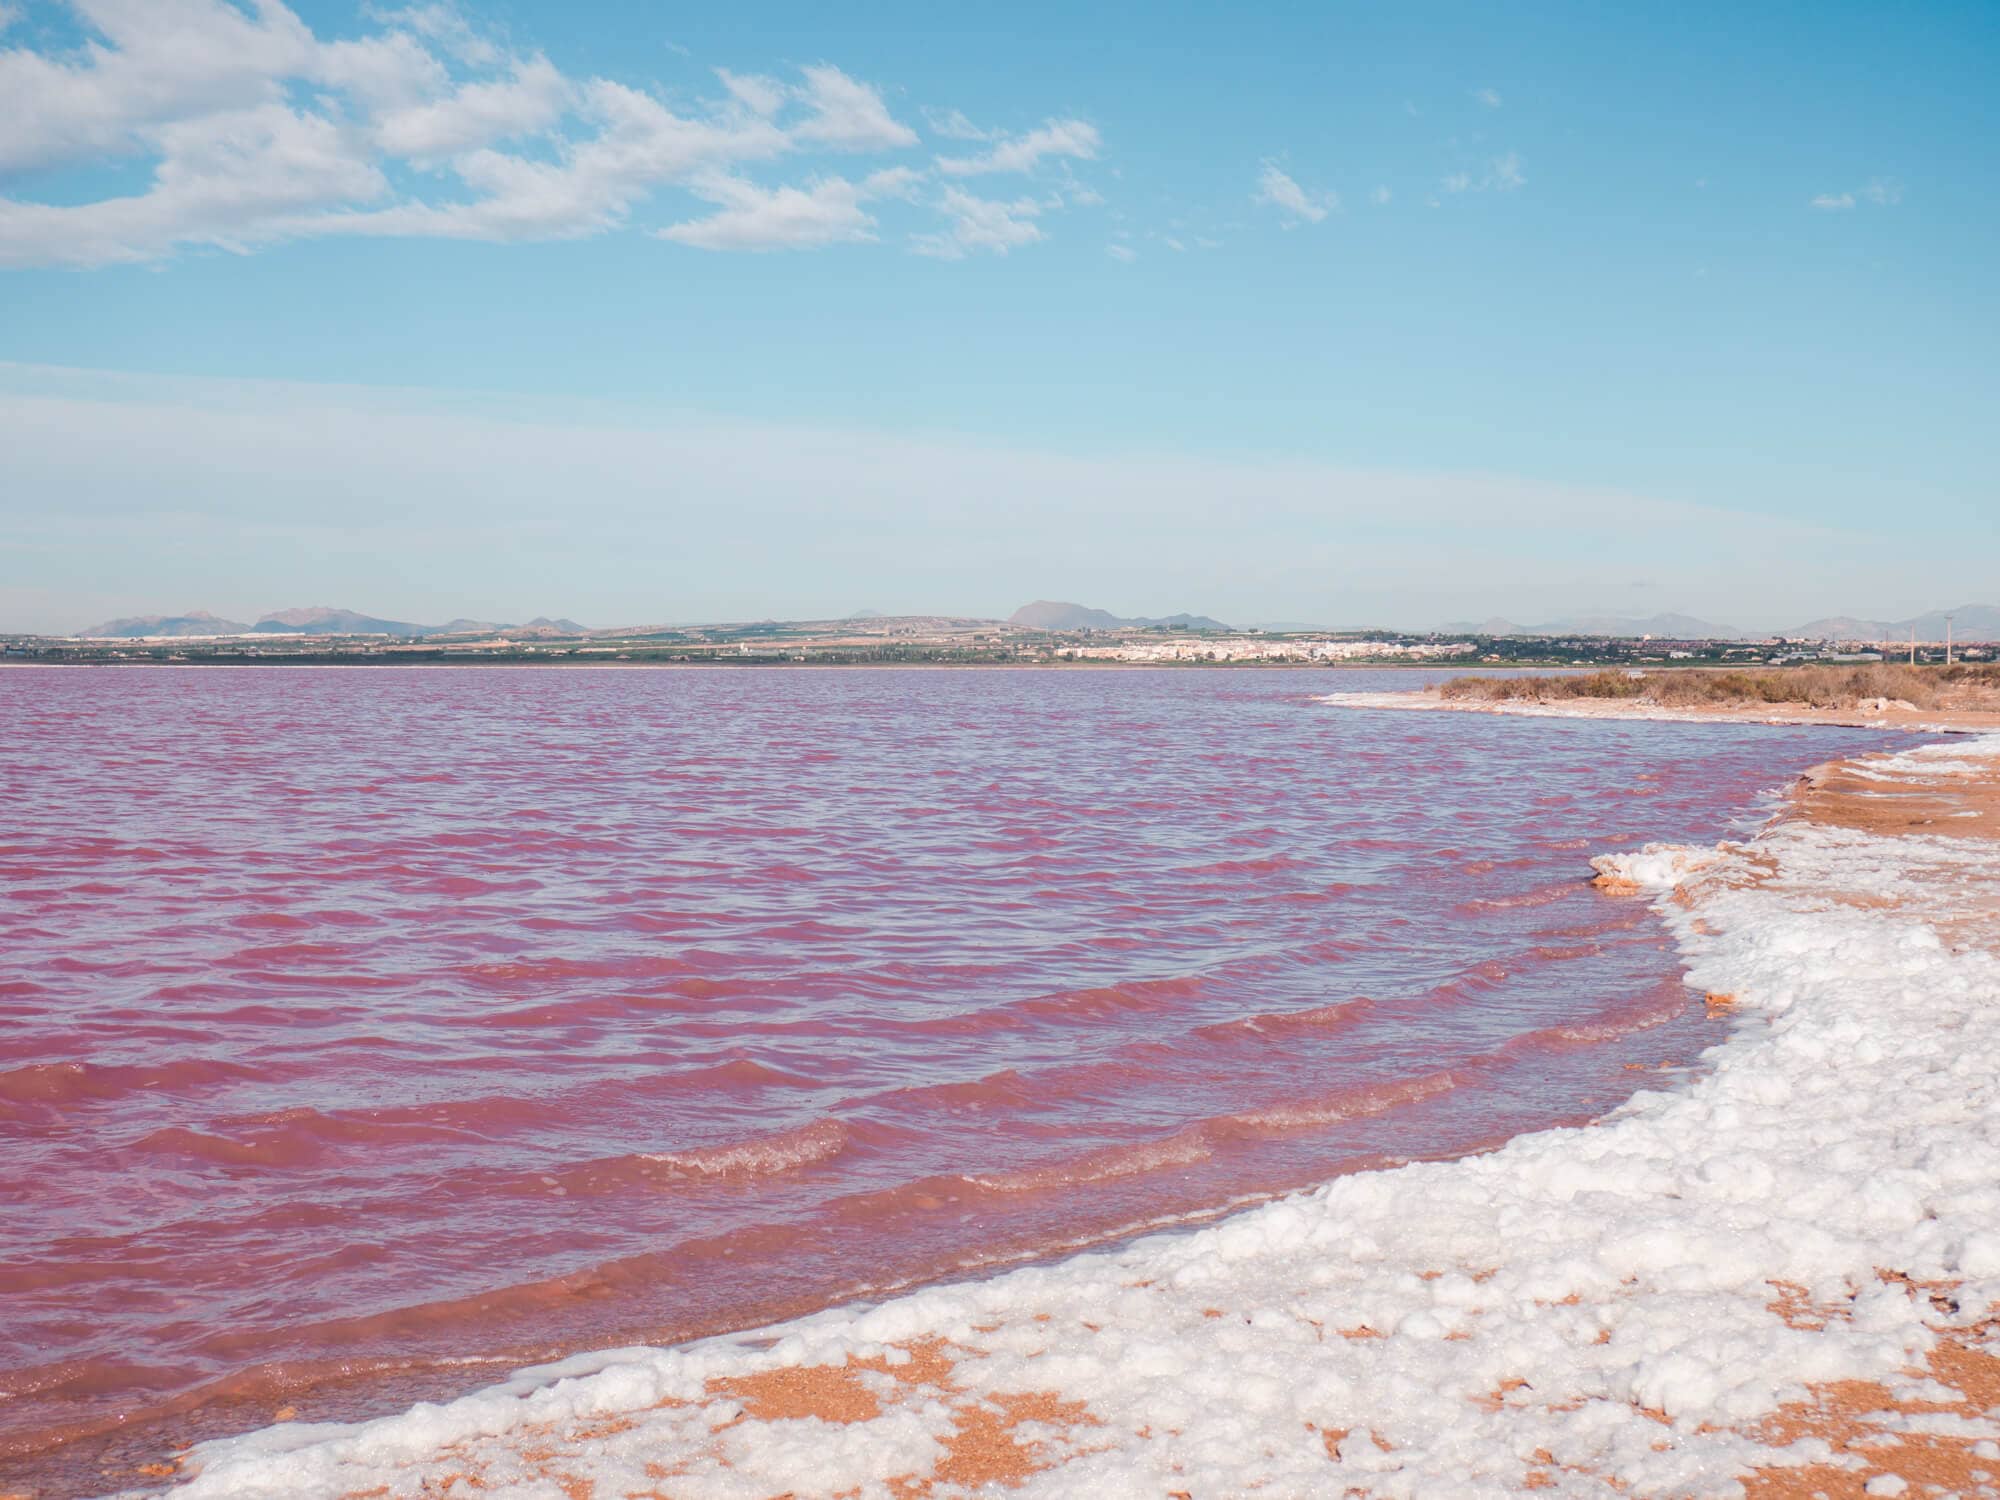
(363, 1031)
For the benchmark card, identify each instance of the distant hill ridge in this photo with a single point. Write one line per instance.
(1970, 622)
(317, 619)
(1685, 627)
(194, 622)
(1052, 614)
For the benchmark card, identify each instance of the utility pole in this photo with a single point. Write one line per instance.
(1913, 645)
(1947, 640)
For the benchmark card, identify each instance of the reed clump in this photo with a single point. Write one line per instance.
(1816, 686)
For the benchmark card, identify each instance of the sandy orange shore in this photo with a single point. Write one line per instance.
(1861, 1419)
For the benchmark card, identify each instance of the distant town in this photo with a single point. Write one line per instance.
(1045, 633)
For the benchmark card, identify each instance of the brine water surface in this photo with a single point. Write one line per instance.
(360, 1027)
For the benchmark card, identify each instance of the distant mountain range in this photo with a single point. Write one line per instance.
(318, 619)
(1970, 622)
(1051, 614)
(1685, 627)
(194, 622)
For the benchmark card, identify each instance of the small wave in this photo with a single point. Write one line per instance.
(1331, 1109)
(1545, 895)
(61, 1083)
(1270, 864)
(1286, 1023)
(762, 1156)
(1007, 1089)
(1667, 1003)
(270, 1151)
(1196, 1143)
(1556, 953)
(1116, 999)
(529, 971)
(1181, 1149)
(302, 1135)
(1487, 974)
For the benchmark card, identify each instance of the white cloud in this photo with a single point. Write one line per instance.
(478, 114)
(892, 182)
(223, 180)
(443, 24)
(1076, 190)
(1019, 153)
(980, 224)
(156, 61)
(1123, 253)
(1277, 188)
(828, 212)
(848, 115)
(1502, 175)
(393, 71)
(824, 212)
(257, 130)
(954, 126)
(760, 95)
(1488, 97)
(590, 185)
(1880, 192)
(1381, 195)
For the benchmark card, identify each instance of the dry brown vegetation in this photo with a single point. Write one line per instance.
(1962, 687)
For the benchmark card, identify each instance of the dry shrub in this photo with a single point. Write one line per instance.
(1819, 685)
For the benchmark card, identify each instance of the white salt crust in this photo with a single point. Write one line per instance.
(1850, 1124)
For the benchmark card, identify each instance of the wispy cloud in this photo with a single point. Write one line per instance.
(1075, 139)
(1503, 174)
(1278, 189)
(980, 224)
(257, 129)
(848, 115)
(1381, 195)
(1880, 192)
(760, 95)
(825, 212)
(1122, 252)
(1488, 97)
(953, 125)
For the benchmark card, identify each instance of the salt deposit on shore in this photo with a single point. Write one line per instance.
(1773, 1278)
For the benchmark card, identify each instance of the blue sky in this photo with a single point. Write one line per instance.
(1386, 313)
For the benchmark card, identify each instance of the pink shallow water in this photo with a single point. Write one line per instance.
(357, 1023)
